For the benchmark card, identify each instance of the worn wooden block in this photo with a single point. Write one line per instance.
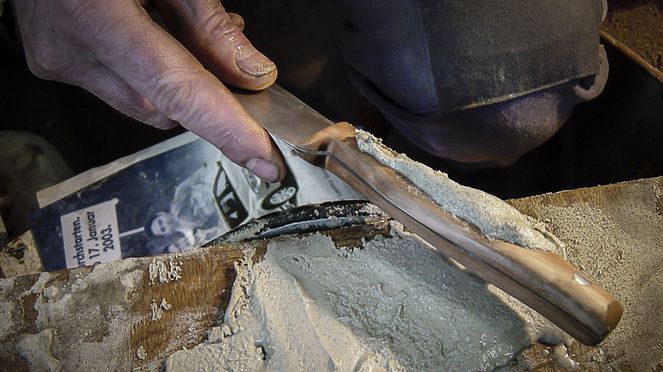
(111, 306)
(195, 286)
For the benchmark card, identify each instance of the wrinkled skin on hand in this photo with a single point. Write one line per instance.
(116, 51)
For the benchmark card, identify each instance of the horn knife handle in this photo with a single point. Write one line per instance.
(542, 280)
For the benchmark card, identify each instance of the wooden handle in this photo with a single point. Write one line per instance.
(542, 280)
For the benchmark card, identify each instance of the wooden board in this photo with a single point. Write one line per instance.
(200, 295)
(197, 300)
(615, 234)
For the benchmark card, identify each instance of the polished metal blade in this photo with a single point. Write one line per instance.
(282, 114)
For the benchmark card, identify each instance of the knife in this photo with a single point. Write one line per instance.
(542, 280)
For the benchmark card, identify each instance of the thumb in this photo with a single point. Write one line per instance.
(216, 39)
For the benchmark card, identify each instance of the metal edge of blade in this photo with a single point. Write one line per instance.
(282, 114)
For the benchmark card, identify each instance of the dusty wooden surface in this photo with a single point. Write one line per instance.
(19, 257)
(615, 234)
(198, 298)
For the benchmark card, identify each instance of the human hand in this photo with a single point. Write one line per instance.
(116, 51)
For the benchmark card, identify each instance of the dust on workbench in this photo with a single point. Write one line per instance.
(124, 314)
(615, 234)
(637, 23)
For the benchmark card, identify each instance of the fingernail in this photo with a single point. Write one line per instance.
(254, 63)
(264, 169)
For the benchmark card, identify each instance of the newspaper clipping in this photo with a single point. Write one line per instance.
(173, 197)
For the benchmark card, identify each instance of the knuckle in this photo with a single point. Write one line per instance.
(160, 122)
(176, 93)
(140, 109)
(142, 105)
(45, 61)
(219, 24)
(38, 69)
(148, 114)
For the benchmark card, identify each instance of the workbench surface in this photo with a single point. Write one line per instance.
(614, 233)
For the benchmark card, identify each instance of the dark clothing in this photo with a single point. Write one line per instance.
(474, 81)
(431, 55)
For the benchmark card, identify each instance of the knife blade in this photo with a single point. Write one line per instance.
(283, 115)
(542, 280)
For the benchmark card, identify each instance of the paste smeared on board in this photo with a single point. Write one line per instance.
(395, 304)
(495, 218)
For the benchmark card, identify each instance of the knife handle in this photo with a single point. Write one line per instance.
(542, 280)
